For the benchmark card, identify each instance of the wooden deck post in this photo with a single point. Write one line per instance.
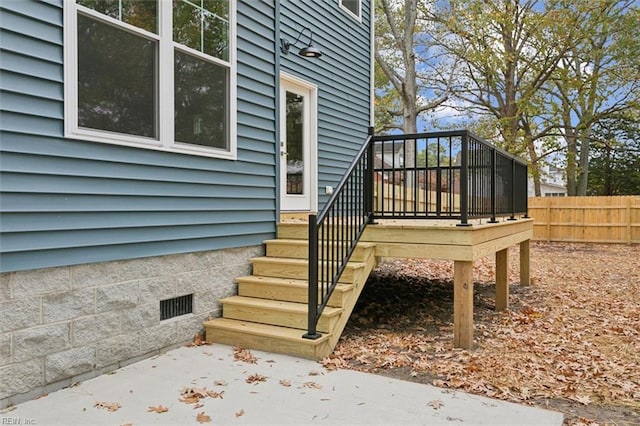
(525, 263)
(463, 304)
(502, 280)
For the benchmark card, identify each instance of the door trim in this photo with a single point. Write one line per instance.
(291, 80)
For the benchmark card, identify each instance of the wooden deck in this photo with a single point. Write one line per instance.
(270, 310)
(437, 239)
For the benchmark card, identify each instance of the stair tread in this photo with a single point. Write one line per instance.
(264, 330)
(286, 282)
(277, 304)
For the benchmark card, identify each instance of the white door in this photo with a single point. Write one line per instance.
(298, 157)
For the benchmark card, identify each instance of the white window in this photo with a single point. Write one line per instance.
(353, 7)
(153, 74)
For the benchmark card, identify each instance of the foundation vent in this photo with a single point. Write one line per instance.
(175, 307)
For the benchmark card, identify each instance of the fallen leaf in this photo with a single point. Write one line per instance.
(214, 395)
(312, 385)
(240, 413)
(244, 355)
(198, 340)
(193, 395)
(436, 404)
(314, 373)
(109, 406)
(255, 378)
(158, 409)
(333, 362)
(285, 383)
(220, 383)
(584, 400)
(203, 418)
(194, 392)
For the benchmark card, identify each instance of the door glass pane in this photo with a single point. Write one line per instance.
(142, 14)
(116, 79)
(201, 102)
(295, 144)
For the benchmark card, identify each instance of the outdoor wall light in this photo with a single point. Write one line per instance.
(308, 52)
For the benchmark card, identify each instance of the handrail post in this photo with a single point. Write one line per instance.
(313, 280)
(513, 189)
(526, 197)
(494, 154)
(369, 181)
(464, 181)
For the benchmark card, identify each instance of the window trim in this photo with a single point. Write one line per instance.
(350, 13)
(166, 137)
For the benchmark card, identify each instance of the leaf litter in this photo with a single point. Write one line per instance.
(203, 418)
(569, 342)
(256, 378)
(244, 355)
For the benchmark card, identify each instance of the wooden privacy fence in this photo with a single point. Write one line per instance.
(586, 219)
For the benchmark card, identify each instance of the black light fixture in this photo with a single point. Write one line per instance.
(308, 52)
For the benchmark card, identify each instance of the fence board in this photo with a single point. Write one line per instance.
(586, 219)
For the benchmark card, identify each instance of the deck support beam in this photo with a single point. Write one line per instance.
(463, 304)
(525, 262)
(502, 280)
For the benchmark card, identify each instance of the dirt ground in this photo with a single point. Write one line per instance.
(569, 342)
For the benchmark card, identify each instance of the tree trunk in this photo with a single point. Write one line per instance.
(535, 168)
(410, 86)
(572, 152)
(583, 175)
(533, 156)
(409, 127)
(608, 173)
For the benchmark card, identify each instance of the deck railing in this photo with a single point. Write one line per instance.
(444, 175)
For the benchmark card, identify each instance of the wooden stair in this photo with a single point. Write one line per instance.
(270, 311)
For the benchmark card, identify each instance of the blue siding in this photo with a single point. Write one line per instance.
(66, 202)
(342, 75)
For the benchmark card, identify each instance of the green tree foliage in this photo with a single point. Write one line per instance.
(615, 157)
(598, 78)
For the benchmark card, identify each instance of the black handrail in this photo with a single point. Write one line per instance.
(442, 175)
(336, 230)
